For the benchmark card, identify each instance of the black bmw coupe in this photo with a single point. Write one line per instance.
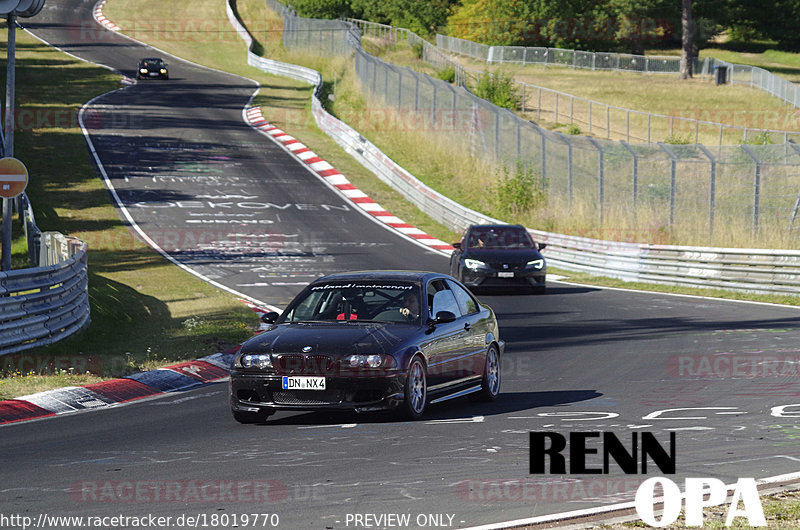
(368, 341)
(499, 257)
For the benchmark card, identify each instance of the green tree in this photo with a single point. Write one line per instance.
(423, 17)
(493, 22)
(321, 8)
(776, 20)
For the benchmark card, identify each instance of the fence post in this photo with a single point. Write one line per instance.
(556, 110)
(433, 110)
(635, 175)
(497, 135)
(672, 182)
(712, 187)
(416, 92)
(628, 125)
(600, 177)
(544, 160)
(571, 109)
(455, 108)
(399, 89)
(374, 76)
(756, 186)
(608, 122)
(539, 113)
(569, 165)
(523, 97)
(590, 116)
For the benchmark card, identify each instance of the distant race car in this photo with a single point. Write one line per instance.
(366, 341)
(499, 257)
(152, 67)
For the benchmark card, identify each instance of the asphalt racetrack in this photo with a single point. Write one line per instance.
(722, 376)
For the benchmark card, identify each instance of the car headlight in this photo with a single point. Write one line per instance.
(536, 264)
(367, 361)
(163, 70)
(258, 360)
(473, 264)
(142, 70)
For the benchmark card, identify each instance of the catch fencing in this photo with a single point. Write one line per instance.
(738, 74)
(775, 271)
(601, 119)
(691, 190)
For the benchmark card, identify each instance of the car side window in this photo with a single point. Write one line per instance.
(466, 303)
(441, 298)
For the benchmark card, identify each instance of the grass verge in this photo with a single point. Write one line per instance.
(145, 311)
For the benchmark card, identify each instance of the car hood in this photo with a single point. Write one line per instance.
(501, 255)
(331, 338)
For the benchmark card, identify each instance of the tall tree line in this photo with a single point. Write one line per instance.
(620, 25)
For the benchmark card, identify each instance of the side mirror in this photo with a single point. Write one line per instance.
(542, 246)
(270, 317)
(443, 317)
(457, 245)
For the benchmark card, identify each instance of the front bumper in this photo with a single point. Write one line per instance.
(361, 393)
(501, 279)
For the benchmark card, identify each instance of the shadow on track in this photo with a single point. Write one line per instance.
(460, 410)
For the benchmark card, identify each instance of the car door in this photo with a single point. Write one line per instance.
(476, 327)
(448, 342)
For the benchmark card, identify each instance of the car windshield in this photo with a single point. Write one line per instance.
(374, 301)
(152, 62)
(499, 238)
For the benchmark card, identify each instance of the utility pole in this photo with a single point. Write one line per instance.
(8, 133)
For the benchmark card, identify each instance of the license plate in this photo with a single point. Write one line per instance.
(153, 74)
(505, 274)
(303, 383)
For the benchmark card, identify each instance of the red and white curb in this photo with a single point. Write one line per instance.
(183, 376)
(330, 175)
(100, 17)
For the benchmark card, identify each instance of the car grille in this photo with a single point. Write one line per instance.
(292, 364)
(500, 266)
(307, 397)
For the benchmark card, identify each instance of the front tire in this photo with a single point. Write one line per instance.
(490, 385)
(416, 390)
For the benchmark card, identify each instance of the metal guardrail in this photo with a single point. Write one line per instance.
(755, 270)
(737, 269)
(43, 305)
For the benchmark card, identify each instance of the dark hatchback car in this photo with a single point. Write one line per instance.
(152, 68)
(367, 341)
(499, 257)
